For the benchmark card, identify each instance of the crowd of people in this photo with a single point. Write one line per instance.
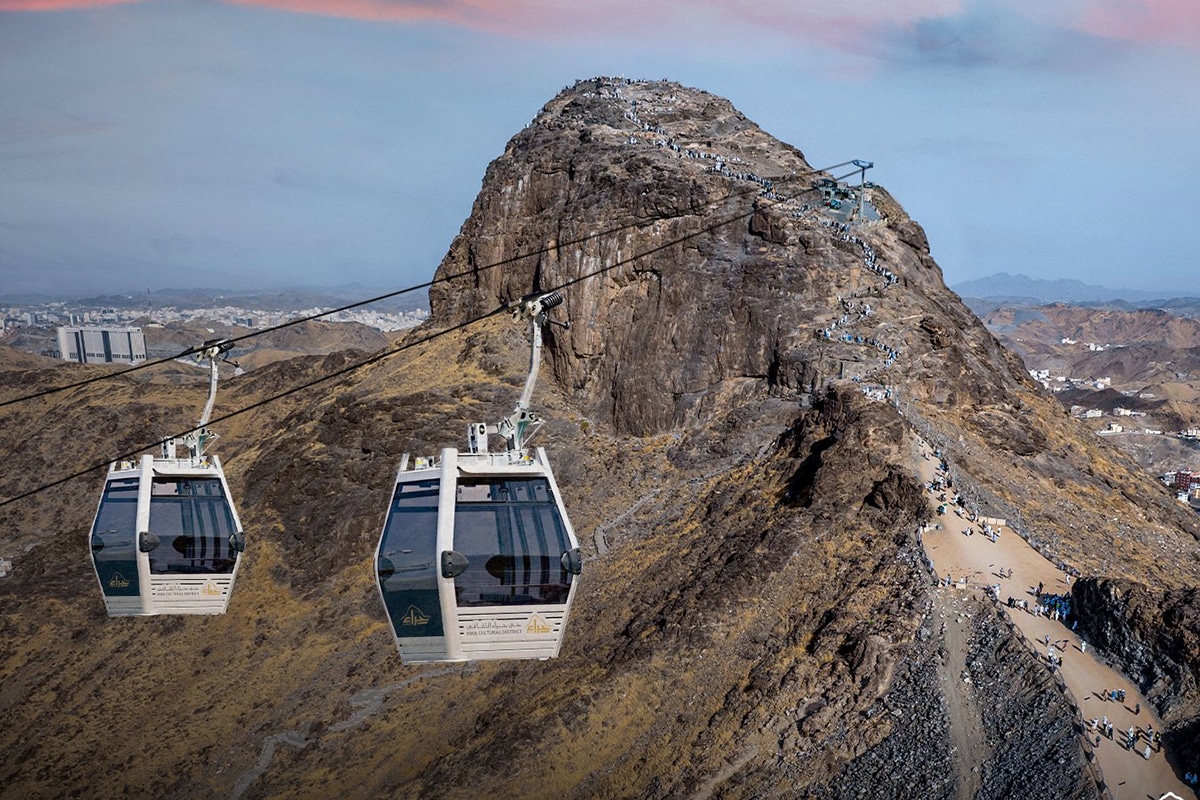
(1133, 738)
(870, 257)
(661, 139)
(854, 311)
(658, 136)
(1140, 739)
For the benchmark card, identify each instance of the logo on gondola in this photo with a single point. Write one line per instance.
(414, 616)
(118, 581)
(211, 589)
(538, 625)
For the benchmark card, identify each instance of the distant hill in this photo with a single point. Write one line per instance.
(1023, 290)
(276, 299)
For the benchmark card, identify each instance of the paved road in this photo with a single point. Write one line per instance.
(979, 561)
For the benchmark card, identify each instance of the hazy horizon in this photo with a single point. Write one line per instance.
(359, 290)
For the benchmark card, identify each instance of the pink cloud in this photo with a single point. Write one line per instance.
(839, 24)
(516, 16)
(58, 5)
(1170, 21)
(844, 24)
(459, 12)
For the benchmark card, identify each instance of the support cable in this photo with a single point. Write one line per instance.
(512, 259)
(504, 308)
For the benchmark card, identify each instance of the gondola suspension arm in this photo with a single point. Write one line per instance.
(197, 440)
(518, 427)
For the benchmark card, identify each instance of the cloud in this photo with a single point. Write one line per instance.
(845, 23)
(1151, 21)
(661, 19)
(455, 12)
(59, 5)
(990, 34)
(954, 30)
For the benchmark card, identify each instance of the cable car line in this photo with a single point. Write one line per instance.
(346, 370)
(193, 350)
(413, 343)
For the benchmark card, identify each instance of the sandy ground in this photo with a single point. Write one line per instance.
(966, 724)
(979, 561)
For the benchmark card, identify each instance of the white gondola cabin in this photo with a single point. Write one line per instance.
(166, 538)
(477, 558)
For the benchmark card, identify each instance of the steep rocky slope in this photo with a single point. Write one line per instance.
(731, 419)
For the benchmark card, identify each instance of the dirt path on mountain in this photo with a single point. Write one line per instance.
(966, 725)
(975, 562)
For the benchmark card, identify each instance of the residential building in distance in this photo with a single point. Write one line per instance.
(102, 345)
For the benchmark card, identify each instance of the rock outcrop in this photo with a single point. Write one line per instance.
(698, 261)
(730, 412)
(1153, 635)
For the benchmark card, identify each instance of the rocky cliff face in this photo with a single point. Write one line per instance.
(730, 419)
(1154, 634)
(698, 261)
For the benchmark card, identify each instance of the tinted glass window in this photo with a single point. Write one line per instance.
(512, 533)
(114, 538)
(192, 519)
(408, 561)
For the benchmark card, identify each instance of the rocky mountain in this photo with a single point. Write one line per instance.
(733, 416)
(1044, 326)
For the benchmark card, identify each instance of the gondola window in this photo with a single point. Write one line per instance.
(193, 522)
(513, 536)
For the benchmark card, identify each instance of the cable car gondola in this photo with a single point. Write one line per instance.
(166, 538)
(477, 558)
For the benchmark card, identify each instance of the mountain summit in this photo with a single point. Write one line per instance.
(733, 417)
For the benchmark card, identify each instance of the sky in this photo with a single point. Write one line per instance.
(256, 144)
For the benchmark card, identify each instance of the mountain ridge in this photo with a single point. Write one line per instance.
(1007, 288)
(734, 412)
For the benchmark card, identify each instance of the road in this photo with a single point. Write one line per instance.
(974, 562)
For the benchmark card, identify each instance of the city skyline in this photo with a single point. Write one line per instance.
(255, 144)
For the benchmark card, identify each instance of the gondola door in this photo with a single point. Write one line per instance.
(114, 542)
(407, 564)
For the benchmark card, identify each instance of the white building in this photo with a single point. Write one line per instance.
(102, 345)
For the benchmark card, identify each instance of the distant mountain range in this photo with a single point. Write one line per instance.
(1021, 289)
